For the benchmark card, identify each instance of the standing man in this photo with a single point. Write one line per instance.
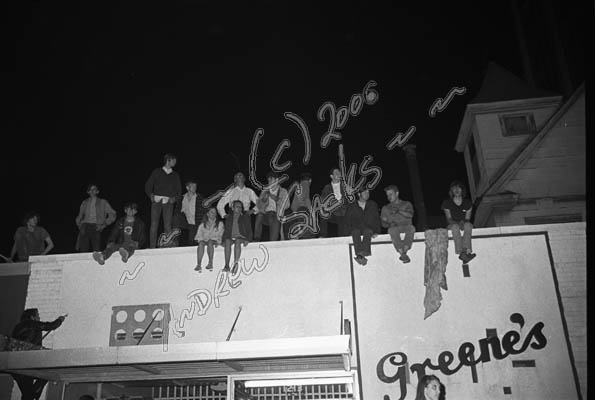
(193, 210)
(164, 188)
(94, 215)
(397, 216)
(363, 219)
(30, 239)
(238, 192)
(29, 330)
(337, 217)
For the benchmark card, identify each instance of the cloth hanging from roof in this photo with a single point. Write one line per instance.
(435, 268)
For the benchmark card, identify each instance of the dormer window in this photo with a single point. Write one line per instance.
(517, 124)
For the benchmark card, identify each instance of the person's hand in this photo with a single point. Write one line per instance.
(152, 198)
(245, 243)
(374, 235)
(462, 225)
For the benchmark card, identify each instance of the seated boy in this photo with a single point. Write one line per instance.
(127, 235)
(237, 230)
(457, 210)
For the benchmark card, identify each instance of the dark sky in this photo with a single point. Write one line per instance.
(100, 92)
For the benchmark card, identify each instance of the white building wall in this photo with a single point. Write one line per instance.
(298, 293)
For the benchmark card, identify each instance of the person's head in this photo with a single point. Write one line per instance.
(306, 177)
(92, 190)
(428, 388)
(392, 193)
(272, 178)
(457, 188)
(237, 207)
(130, 209)
(239, 179)
(191, 186)
(30, 313)
(363, 195)
(335, 174)
(211, 215)
(170, 160)
(31, 219)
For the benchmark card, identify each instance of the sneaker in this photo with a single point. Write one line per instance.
(210, 267)
(405, 258)
(226, 268)
(98, 256)
(364, 260)
(198, 268)
(234, 268)
(124, 253)
(470, 256)
(464, 257)
(359, 260)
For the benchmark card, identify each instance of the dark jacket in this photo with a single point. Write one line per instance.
(31, 331)
(244, 223)
(327, 190)
(162, 184)
(368, 218)
(138, 232)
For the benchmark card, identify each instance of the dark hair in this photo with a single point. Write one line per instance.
(422, 384)
(304, 176)
(333, 170)
(455, 184)
(169, 156)
(272, 174)
(234, 203)
(90, 185)
(29, 314)
(132, 205)
(189, 181)
(391, 187)
(205, 217)
(30, 215)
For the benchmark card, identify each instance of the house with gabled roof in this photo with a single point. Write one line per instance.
(524, 151)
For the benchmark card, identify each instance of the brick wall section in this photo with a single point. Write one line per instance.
(44, 292)
(569, 248)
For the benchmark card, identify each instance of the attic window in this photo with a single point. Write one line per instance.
(517, 124)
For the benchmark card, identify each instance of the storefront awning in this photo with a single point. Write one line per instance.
(193, 360)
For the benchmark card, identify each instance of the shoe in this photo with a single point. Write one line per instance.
(470, 256)
(226, 268)
(464, 257)
(364, 260)
(198, 268)
(359, 260)
(124, 253)
(209, 267)
(405, 258)
(234, 269)
(98, 256)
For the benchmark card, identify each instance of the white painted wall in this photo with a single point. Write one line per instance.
(297, 294)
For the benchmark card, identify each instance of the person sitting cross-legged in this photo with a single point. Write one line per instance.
(363, 219)
(457, 210)
(127, 236)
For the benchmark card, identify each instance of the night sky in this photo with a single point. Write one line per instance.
(101, 92)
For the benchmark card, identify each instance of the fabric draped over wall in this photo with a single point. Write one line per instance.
(436, 259)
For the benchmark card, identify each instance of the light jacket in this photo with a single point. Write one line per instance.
(104, 212)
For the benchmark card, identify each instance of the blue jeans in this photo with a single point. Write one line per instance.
(156, 209)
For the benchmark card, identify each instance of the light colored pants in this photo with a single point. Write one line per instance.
(402, 245)
(464, 242)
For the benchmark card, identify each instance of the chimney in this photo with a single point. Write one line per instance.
(418, 197)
